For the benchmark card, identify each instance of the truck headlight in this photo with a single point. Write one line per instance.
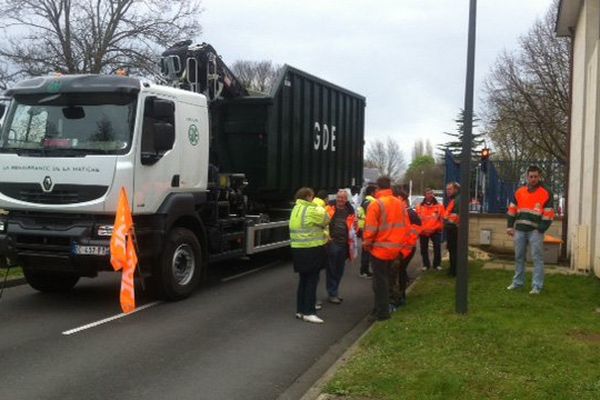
(3, 225)
(104, 230)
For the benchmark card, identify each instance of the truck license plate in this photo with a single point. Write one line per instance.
(91, 250)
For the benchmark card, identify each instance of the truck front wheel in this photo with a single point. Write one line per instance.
(50, 281)
(180, 267)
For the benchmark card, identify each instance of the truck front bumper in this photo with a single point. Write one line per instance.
(65, 242)
(55, 243)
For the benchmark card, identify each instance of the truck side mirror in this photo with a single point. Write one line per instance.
(164, 136)
(2, 109)
(192, 70)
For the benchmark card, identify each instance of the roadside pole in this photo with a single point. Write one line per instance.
(465, 165)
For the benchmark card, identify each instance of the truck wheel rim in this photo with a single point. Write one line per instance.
(184, 264)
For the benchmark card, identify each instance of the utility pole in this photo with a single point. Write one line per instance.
(462, 258)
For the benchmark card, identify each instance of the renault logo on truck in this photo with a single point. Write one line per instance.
(47, 184)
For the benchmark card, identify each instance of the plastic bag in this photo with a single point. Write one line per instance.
(352, 244)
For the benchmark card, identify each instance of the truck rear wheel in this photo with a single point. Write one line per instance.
(50, 281)
(180, 267)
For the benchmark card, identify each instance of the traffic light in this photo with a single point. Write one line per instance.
(485, 154)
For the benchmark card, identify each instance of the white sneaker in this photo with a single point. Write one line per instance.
(423, 269)
(512, 286)
(535, 291)
(312, 318)
(438, 268)
(298, 316)
(318, 305)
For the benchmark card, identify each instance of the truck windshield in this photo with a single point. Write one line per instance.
(69, 124)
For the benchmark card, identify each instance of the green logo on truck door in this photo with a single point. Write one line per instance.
(193, 134)
(54, 86)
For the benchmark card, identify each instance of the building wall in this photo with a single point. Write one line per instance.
(576, 148)
(584, 177)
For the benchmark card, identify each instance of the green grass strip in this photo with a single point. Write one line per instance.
(511, 345)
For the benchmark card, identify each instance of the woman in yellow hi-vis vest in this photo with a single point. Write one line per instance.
(308, 239)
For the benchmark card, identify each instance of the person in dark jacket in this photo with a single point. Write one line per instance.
(342, 221)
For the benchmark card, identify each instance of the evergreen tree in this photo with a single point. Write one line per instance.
(455, 145)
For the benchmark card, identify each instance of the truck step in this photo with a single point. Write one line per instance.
(226, 255)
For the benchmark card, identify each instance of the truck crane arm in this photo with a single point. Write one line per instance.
(200, 69)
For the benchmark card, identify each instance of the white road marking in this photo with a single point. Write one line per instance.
(104, 321)
(269, 265)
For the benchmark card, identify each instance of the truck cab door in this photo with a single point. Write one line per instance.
(157, 159)
(193, 125)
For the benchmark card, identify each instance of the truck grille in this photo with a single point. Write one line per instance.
(61, 194)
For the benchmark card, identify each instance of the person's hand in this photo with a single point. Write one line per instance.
(510, 231)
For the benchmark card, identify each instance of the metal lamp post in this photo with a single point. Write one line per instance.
(465, 165)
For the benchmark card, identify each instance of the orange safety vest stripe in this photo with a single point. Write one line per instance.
(386, 226)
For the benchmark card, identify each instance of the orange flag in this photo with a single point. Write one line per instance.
(122, 251)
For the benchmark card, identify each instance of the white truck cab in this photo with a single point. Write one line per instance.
(67, 146)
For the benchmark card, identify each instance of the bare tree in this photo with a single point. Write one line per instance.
(91, 36)
(256, 76)
(527, 96)
(425, 172)
(386, 157)
(4, 77)
(428, 148)
(422, 148)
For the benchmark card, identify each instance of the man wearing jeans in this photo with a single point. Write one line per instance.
(342, 221)
(529, 216)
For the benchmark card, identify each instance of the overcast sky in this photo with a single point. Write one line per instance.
(407, 57)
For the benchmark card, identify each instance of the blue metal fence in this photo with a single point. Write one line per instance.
(494, 184)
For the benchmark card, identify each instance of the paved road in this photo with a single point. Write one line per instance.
(234, 339)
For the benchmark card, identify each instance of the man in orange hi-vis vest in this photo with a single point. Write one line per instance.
(432, 217)
(451, 222)
(385, 237)
(530, 214)
(122, 251)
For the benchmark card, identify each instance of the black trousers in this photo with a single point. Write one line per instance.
(403, 277)
(306, 298)
(436, 239)
(382, 269)
(452, 242)
(308, 262)
(365, 259)
(399, 279)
